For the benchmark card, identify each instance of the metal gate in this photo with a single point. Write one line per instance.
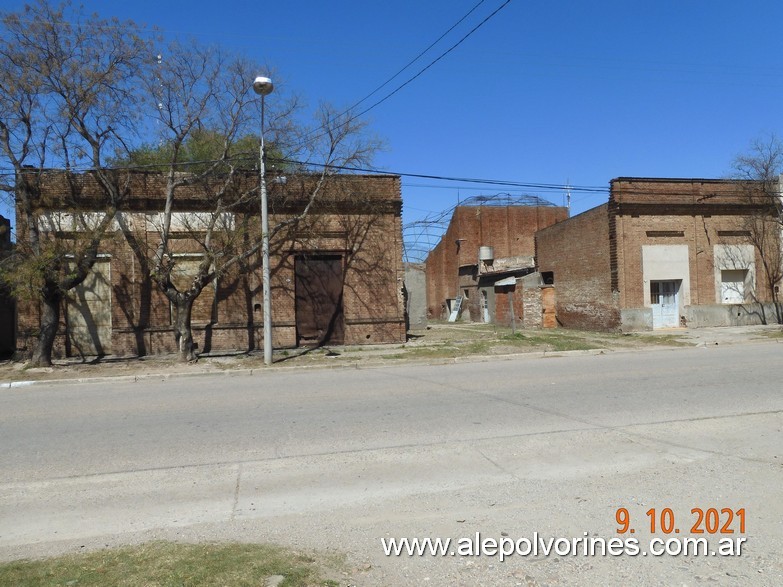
(319, 300)
(664, 297)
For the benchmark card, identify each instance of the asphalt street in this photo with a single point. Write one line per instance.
(336, 459)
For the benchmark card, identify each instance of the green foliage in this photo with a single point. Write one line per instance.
(198, 154)
(23, 275)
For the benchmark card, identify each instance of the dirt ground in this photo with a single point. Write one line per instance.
(439, 342)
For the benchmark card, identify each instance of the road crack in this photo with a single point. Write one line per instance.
(236, 491)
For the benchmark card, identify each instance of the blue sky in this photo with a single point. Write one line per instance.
(544, 92)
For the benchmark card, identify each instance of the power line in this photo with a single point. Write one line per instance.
(411, 79)
(495, 182)
(415, 59)
(479, 181)
(527, 185)
(441, 56)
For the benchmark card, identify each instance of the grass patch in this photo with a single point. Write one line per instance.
(440, 351)
(661, 339)
(553, 341)
(166, 564)
(501, 343)
(778, 333)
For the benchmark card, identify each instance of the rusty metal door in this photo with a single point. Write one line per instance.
(319, 300)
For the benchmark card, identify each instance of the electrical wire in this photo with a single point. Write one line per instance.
(412, 61)
(408, 81)
(529, 185)
(370, 170)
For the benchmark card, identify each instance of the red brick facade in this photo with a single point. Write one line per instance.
(356, 219)
(454, 263)
(608, 261)
(577, 252)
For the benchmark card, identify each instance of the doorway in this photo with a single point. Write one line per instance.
(319, 300)
(664, 298)
(485, 307)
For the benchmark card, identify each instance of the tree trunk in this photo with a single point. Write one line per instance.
(50, 320)
(777, 304)
(182, 330)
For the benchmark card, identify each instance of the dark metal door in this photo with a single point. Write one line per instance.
(319, 300)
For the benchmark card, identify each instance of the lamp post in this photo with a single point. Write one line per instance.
(263, 86)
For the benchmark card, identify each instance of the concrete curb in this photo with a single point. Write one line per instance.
(351, 364)
(357, 364)
(374, 363)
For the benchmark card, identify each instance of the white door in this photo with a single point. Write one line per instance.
(485, 307)
(664, 297)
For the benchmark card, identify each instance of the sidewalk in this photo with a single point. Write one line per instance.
(438, 343)
(724, 335)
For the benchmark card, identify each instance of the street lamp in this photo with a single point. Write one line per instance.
(263, 86)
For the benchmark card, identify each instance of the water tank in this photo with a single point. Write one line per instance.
(486, 254)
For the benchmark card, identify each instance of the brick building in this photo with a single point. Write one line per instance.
(660, 253)
(7, 301)
(336, 277)
(484, 251)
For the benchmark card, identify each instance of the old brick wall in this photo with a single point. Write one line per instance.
(577, 253)
(7, 302)
(442, 270)
(503, 298)
(416, 296)
(596, 257)
(533, 308)
(510, 230)
(698, 213)
(356, 217)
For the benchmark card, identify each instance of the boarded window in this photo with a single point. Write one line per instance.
(732, 285)
(88, 313)
(185, 270)
(742, 233)
(665, 233)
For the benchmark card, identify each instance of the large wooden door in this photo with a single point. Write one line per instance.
(319, 300)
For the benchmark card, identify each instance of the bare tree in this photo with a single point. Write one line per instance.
(200, 93)
(67, 100)
(759, 172)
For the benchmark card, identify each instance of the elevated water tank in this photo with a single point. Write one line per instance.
(486, 254)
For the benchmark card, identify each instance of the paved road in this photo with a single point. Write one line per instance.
(338, 459)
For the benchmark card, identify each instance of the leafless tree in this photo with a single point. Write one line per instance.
(198, 92)
(759, 172)
(68, 100)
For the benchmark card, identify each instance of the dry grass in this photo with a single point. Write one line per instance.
(440, 340)
(777, 333)
(166, 564)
